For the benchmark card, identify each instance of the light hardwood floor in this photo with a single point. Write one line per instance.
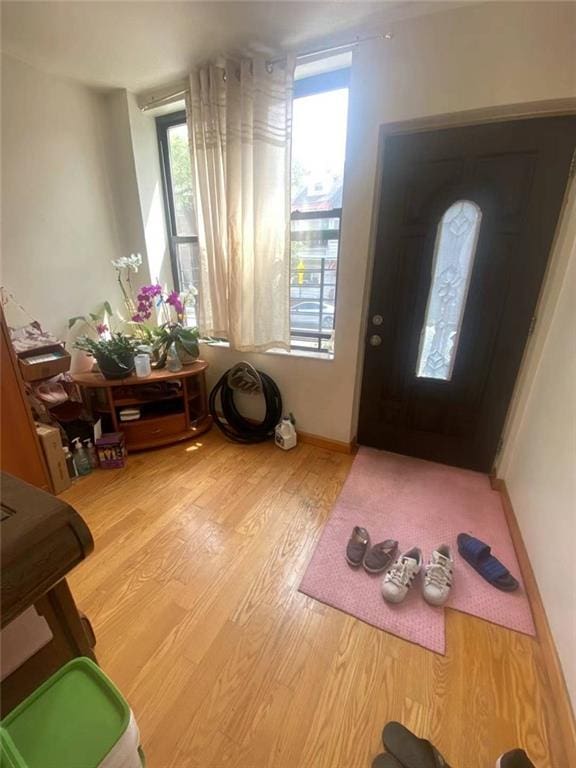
(193, 595)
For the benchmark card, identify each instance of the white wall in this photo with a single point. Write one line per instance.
(147, 165)
(121, 169)
(58, 225)
(472, 57)
(538, 460)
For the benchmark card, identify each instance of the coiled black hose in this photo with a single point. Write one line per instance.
(233, 424)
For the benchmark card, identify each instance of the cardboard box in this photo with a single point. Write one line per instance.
(111, 450)
(54, 455)
(44, 362)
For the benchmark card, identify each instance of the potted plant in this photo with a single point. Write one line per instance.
(172, 310)
(114, 352)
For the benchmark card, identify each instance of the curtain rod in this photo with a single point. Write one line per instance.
(340, 47)
(180, 93)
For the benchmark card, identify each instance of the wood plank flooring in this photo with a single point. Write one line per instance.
(192, 592)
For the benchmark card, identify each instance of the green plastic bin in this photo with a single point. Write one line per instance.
(72, 720)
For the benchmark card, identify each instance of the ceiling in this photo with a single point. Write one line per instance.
(141, 45)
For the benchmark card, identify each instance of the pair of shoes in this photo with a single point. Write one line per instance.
(405, 750)
(375, 559)
(480, 557)
(438, 576)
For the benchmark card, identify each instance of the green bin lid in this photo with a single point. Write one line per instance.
(71, 721)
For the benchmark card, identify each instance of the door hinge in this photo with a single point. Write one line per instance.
(572, 170)
(532, 325)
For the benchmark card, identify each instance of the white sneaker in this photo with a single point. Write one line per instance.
(399, 578)
(438, 576)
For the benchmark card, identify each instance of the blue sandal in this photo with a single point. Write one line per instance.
(480, 557)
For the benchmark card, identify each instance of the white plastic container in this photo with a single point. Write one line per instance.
(124, 754)
(285, 435)
(142, 364)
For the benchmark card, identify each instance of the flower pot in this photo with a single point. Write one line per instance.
(186, 356)
(116, 368)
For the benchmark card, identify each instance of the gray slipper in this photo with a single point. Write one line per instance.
(358, 543)
(381, 556)
(411, 751)
(385, 761)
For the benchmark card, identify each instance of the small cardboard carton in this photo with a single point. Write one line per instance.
(54, 455)
(111, 450)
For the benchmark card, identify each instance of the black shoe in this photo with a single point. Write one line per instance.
(517, 758)
(409, 750)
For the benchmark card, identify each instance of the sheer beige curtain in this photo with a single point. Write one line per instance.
(239, 122)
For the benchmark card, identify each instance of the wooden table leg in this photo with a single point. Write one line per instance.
(72, 637)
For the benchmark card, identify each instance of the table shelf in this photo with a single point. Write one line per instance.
(165, 419)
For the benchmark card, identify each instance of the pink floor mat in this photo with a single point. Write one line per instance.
(422, 504)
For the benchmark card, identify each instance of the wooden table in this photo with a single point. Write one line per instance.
(173, 406)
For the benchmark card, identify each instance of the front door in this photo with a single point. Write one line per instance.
(465, 224)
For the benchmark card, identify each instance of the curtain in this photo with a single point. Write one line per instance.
(239, 122)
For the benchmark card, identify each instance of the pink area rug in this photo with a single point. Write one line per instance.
(422, 504)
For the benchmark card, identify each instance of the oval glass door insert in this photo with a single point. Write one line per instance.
(454, 252)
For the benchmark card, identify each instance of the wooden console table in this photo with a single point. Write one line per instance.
(173, 406)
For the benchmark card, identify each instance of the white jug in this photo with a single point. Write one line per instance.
(285, 435)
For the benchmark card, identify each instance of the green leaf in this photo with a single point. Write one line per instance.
(108, 308)
(73, 320)
(190, 346)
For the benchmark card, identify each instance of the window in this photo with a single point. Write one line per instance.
(454, 252)
(318, 148)
(179, 203)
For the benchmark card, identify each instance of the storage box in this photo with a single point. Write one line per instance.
(43, 362)
(54, 455)
(111, 450)
(76, 719)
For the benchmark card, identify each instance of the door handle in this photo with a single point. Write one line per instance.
(375, 340)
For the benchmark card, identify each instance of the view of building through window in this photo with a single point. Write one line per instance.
(318, 150)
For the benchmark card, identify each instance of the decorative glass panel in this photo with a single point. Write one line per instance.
(454, 253)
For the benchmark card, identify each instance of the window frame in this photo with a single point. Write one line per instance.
(163, 125)
(313, 85)
(306, 86)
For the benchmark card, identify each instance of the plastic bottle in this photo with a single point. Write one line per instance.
(285, 434)
(91, 452)
(69, 462)
(172, 360)
(142, 362)
(81, 459)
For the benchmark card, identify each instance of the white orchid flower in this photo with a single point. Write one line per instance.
(133, 262)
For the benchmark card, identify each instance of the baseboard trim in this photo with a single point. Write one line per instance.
(327, 443)
(552, 667)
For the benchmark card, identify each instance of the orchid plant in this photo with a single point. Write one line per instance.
(125, 267)
(96, 321)
(171, 309)
(166, 311)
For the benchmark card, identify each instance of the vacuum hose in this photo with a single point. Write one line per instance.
(232, 424)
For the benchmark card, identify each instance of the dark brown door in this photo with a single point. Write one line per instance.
(465, 224)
